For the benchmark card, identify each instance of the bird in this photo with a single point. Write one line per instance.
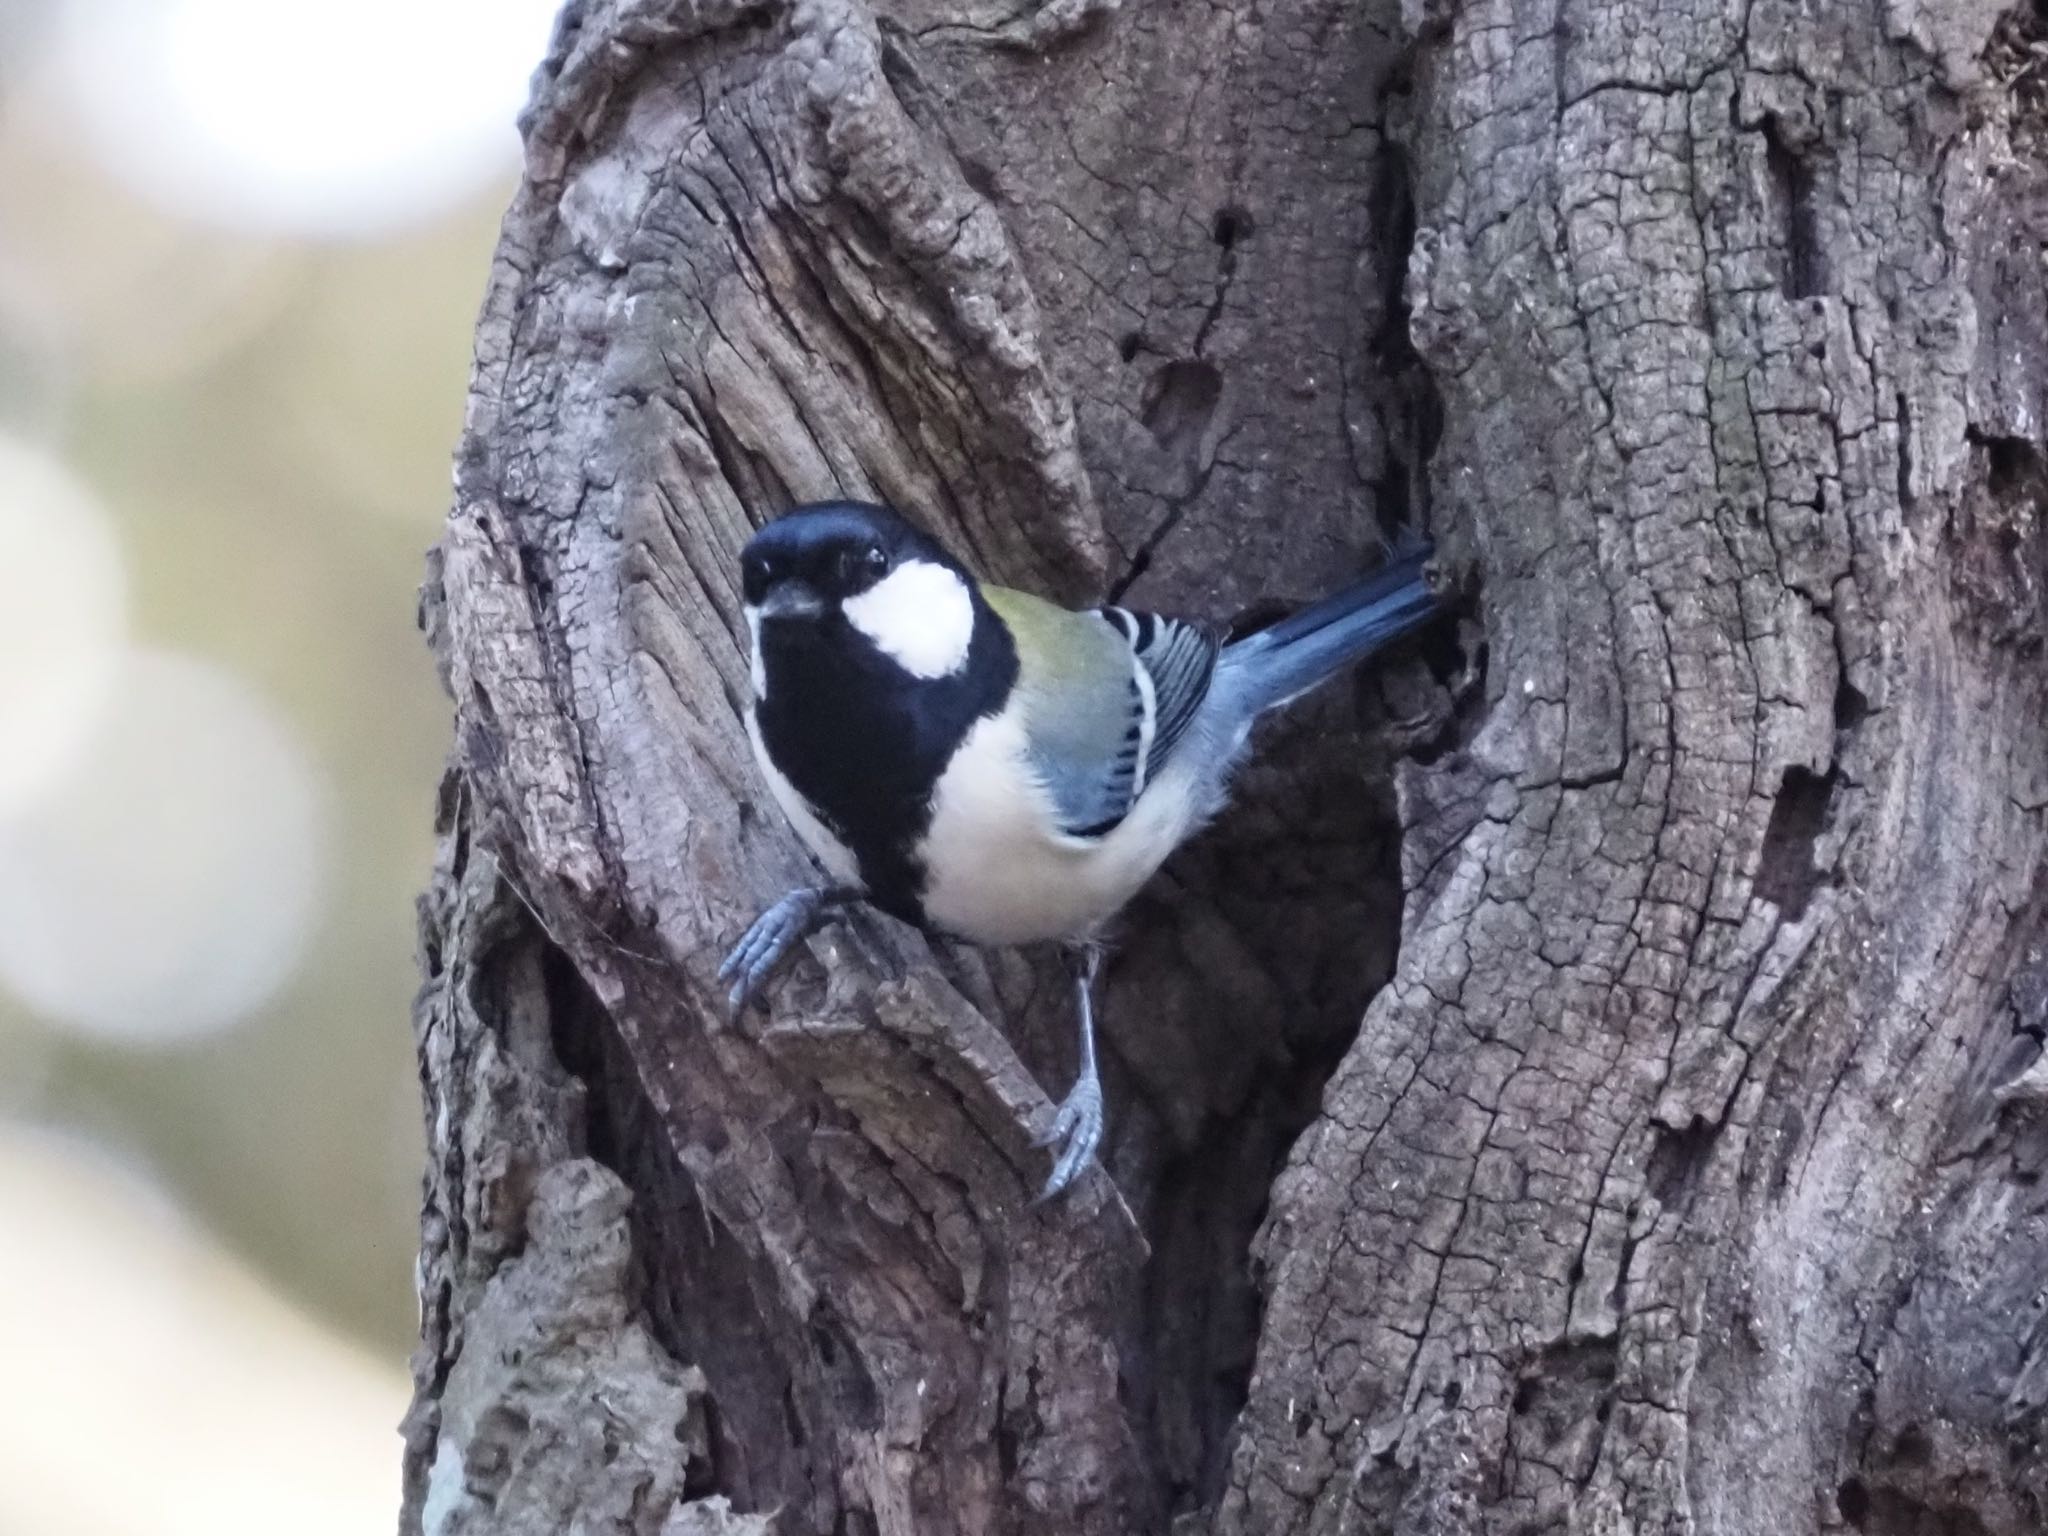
(991, 766)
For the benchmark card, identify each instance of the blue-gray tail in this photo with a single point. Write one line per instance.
(1265, 670)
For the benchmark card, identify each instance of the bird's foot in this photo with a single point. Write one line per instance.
(1077, 1131)
(773, 935)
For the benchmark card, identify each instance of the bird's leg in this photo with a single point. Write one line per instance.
(1077, 1125)
(774, 933)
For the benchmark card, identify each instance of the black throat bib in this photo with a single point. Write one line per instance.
(865, 742)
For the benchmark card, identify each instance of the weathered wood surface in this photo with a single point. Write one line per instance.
(1683, 1173)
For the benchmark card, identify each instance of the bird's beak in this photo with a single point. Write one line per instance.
(791, 600)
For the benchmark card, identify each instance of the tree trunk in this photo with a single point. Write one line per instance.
(1683, 1172)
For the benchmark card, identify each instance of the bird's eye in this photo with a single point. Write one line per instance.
(857, 567)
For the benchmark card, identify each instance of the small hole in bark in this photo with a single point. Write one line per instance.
(1852, 708)
(1527, 1391)
(1006, 1451)
(1301, 1422)
(1128, 348)
(1853, 1499)
(536, 578)
(851, 1389)
(577, 1025)
(2029, 993)
(1802, 272)
(1180, 399)
(1233, 223)
(1453, 1394)
(2011, 465)
(1785, 874)
(1913, 1448)
(1905, 450)
(1677, 1157)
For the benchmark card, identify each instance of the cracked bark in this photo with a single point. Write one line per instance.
(1623, 1114)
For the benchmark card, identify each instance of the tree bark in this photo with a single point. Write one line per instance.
(1592, 1079)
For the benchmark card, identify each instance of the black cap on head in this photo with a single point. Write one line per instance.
(835, 548)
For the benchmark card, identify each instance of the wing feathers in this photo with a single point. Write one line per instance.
(1177, 657)
(1106, 696)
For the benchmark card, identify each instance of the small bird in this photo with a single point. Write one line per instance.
(989, 765)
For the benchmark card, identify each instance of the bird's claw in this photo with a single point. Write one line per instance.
(761, 948)
(1077, 1131)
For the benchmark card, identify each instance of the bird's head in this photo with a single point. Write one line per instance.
(863, 566)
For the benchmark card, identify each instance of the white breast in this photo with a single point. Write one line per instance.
(998, 871)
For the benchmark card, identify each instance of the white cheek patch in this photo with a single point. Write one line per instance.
(920, 615)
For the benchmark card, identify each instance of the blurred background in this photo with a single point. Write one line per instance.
(242, 243)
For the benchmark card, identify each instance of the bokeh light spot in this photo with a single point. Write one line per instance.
(168, 1391)
(167, 886)
(63, 597)
(299, 115)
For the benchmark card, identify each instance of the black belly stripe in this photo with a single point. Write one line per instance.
(864, 742)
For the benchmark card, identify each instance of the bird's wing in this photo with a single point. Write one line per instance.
(1177, 657)
(1105, 694)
